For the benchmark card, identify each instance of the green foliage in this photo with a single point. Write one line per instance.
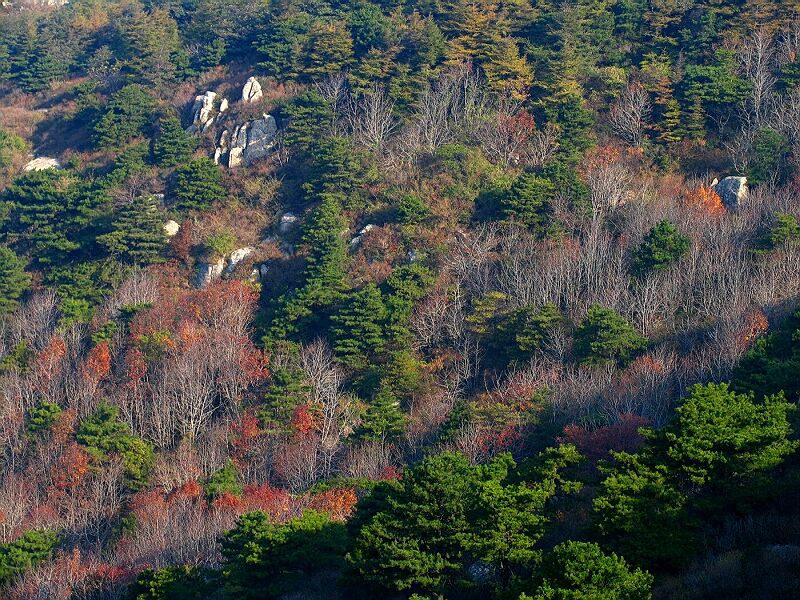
(18, 357)
(13, 280)
(42, 417)
(54, 215)
(288, 388)
(103, 435)
(528, 202)
(569, 113)
(772, 364)
(173, 583)
(662, 246)
(223, 481)
(604, 336)
(128, 115)
(716, 453)
(31, 548)
(44, 67)
(172, 146)
(421, 533)
(137, 232)
(357, 327)
(221, 242)
(769, 163)
(196, 185)
(527, 330)
(412, 210)
(581, 570)
(383, 419)
(335, 167)
(264, 561)
(11, 146)
(324, 274)
(308, 115)
(787, 228)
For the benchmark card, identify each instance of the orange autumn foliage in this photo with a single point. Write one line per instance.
(706, 201)
(98, 362)
(339, 503)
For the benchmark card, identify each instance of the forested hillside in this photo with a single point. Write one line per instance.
(424, 299)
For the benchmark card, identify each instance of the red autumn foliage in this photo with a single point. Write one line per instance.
(755, 325)
(98, 362)
(303, 420)
(622, 436)
(273, 501)
(71, 468)
(243, 432)
(227, 502)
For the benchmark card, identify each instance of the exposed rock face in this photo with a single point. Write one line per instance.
(732, 191)
(252, 91)
(171, 228)
(357, 240)
(208, 272)
(249, 142)
(288, 221)
(42, 163)
(238, 256)
(204, 113)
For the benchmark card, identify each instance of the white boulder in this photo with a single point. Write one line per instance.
(238, 256)
(252, 91)
(171, 228)
(42, 163)
(288, 221)
(208, 272)
(203, 112)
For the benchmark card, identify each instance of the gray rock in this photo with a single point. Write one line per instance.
(208, 272)
(238, 256)
(42, 163)
(263, 270)
(171, 228)
(252, 91)
(732, 190)
(288, 221)
(203, 112)
(252, 141)
(364, 231)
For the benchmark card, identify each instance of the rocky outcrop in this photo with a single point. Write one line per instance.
(357, 240)
(208, 272)
(732, 191)
(238, 256)
(288, 222)
(171, 228)
(205, 111)
(252, 91)
(248, 143)
(42, 163)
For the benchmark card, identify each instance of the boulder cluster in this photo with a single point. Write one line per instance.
(241, 144)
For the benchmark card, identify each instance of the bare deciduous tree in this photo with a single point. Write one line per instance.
(630, 112)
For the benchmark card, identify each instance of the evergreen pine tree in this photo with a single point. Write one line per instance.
(137, 235)
(328, 50)
(383, 420)
(357, 327)
(172, 145)
(126, 116)
(528, 202)
(13, 280)
(196, 185)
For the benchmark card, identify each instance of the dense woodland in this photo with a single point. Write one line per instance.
(476, 325)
